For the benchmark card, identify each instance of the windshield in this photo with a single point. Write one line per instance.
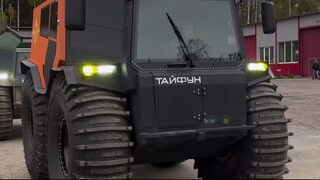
(207, 26)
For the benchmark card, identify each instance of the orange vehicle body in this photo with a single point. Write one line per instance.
(40, 43)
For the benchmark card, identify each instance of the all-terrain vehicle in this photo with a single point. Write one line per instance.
(113, 83)
(15, 45)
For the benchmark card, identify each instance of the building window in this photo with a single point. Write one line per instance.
(288, 52)
(54, 20)
(267, 54)
(295, 51)
(44, 30)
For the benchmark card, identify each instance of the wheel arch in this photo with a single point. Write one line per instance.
(254, 81)
(68, 71)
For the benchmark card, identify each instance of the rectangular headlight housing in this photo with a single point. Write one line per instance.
(258, 66)
(107, 69)
(91, 70)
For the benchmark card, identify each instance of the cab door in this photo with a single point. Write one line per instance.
(48, 38)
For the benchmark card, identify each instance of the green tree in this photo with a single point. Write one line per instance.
(251, 9)
(305, 6)
(35, 3)
(3, 21)
(26, 14)
(11, 13)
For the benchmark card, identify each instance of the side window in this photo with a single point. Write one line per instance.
(281, 52)
(44, 30)
(272, 55)
(266, 54)
(54, 20)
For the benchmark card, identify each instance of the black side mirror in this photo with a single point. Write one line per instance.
(75, 15)
(268, 18)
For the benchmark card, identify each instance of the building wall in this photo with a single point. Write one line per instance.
(287, 30)
(310, 49)
(249, 31)
(264, 40)
(310, 21)
(251, 44)
(305, 30)
(285, 69)
(309, 43)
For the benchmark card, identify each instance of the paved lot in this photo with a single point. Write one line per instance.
(301, 95)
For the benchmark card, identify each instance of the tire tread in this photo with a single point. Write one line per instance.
(101, 130)
(263, 153)
(6, 114)
(38, 164)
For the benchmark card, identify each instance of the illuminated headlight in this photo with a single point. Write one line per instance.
(259, 66)
(4, 76)
(90, 70)
(107, 69)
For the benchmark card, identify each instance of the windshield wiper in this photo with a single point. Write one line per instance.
(182, 43)
(177, 65)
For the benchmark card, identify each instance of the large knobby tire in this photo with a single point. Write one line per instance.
(34, 129)
(6, 115)
(263, 153)
(89, 133)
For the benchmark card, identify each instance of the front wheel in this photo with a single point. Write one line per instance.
(263, 153)
(6, 118)
(89, 133)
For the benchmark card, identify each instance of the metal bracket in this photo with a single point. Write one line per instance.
(200, 117)
(200, 92)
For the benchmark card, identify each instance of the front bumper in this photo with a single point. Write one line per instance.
(187, 144)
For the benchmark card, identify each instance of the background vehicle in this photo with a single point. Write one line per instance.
(15, 45)
(114, 83)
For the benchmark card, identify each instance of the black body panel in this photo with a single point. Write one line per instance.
(171, 121)
(102, 41)
(51, 54)
(181, 117)
(179, 106)
(176, 107)
(188, 144)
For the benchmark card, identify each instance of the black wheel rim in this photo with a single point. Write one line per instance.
(31, 125)
(63, 146)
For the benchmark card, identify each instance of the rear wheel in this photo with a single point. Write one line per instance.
(89, 133)
(263, 153)
(6, 118)
(34, 129)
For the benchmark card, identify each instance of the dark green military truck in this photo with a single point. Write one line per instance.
(15, 44)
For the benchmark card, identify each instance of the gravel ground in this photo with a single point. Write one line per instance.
(301, 95)
(303, 98)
